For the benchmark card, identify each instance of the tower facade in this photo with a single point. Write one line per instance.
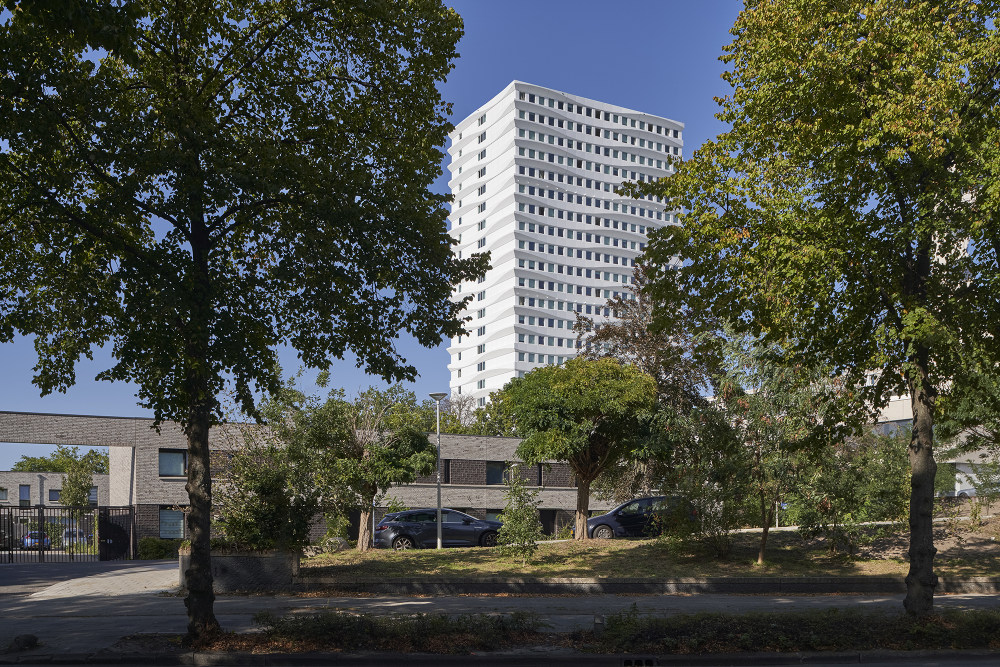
(533, 173)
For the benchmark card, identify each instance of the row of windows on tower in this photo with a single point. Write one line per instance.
(582, 200)
(606, 151)
(580, 253)
(581, 272)
(588, 112)
(597, 167)
(557, 177)
(566, 288)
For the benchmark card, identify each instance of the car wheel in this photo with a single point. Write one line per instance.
(488, 540)
(963, 495)
(402, 542)
(603, 532)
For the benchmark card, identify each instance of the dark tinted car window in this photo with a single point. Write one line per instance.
(632, 508)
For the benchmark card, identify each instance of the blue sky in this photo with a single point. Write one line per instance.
(657, 56)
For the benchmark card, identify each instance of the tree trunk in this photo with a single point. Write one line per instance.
(365, 530)
(200, 599)
(767, 516)
(582, 507)
(921, 580)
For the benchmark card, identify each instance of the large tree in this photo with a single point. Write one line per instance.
(851, 208)
(195, 184)
(384, 444)
(588, 413)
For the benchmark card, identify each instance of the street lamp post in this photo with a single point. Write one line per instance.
(437, 396)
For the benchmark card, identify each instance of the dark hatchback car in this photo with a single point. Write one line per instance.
(418, 528)
(641, 517)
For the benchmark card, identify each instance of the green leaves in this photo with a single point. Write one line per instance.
(195, 185)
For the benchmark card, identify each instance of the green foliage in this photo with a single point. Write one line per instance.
(195, 185)
(986, 482)
(863, 229)
(380, 442)
(944, 479)
(589, 413)
(155, 548)
(77, 482)
(268, 500)
(394, 505)
(519, 535)
(337, 525)
(63, 459)
(859, 481)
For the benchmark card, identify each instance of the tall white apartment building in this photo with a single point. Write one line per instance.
(533, 173)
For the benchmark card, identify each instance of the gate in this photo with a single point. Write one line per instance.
(66, 534)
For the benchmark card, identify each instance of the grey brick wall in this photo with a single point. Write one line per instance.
(557, 474)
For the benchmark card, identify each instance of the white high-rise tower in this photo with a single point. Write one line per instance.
(533, 173)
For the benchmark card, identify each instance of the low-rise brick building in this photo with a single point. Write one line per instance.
(149, 468)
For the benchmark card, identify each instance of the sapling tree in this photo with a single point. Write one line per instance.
(521, 530)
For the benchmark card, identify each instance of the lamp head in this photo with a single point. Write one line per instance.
(438, 395)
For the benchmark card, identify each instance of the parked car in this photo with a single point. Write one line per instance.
(418, 528)
(33, 540)
(74, 536)
(640, 517)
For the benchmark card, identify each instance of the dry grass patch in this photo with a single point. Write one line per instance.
(972, 554)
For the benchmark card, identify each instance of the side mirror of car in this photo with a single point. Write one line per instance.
(466, 521)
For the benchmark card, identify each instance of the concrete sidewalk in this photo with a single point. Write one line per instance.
(87, 615)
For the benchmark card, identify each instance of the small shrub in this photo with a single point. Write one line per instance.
(519, 535)
(565, 532)
(155, 548)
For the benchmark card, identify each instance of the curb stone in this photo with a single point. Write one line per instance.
(512, 659)
(591, 586)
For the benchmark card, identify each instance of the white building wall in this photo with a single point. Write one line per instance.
(533, 173)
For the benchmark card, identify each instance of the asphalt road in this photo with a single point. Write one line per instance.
(84, 608)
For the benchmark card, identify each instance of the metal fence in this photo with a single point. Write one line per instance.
(66, 534)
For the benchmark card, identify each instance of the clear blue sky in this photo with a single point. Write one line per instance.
(657, 56)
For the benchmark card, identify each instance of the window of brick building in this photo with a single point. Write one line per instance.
(173, 463)
(171, 523)
(495, 472)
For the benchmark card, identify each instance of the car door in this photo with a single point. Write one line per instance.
(424, 528)
(459, 530)
(633, 516)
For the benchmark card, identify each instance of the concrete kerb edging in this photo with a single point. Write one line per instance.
(519, 659)
(589, 586)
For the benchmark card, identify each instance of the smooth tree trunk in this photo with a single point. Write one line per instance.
(921, 580)
(201, 598)
(200, 601)
(365, 530)
(582, 508)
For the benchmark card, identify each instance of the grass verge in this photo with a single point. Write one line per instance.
(659, 559)
(630, 632)
(827, 630)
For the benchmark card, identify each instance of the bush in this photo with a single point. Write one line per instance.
(519, 535)
(155, 548)
(266, 503)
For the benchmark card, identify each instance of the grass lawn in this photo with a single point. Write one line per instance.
(787, 554)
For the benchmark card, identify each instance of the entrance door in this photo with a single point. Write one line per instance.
(114, 530)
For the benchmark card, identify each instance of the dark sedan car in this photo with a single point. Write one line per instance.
(418, 528)
(641, 517)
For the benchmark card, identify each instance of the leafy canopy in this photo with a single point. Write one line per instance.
(95, 461)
